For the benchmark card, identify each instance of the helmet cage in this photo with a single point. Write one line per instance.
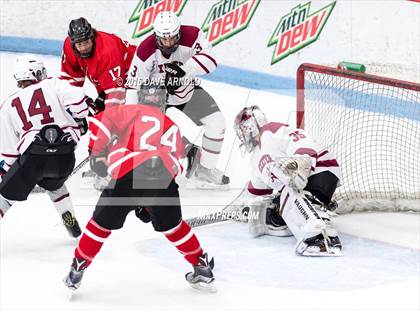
(30, 70)
(80, 30)
(167, 25)
(247, 127)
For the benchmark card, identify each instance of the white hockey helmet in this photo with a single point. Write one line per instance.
(167, 25)
(29, 69)
(248, 123)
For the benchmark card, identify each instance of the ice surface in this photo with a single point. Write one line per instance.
(137, 268)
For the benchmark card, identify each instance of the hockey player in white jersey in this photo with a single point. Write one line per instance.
(292, 184)
(40, 126)
(174, 55)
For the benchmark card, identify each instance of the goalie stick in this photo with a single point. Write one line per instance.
(227, 213)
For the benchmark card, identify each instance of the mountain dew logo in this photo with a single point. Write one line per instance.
(146, 11)
(228, 17)
(298, 29)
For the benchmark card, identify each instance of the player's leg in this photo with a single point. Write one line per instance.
(306, 224)
(56, 172)
(64, 206)
(163, 205)
(19, 181)
(319, 191)
(203, 110)
(110, 214)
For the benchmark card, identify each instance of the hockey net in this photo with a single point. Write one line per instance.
(372, 125)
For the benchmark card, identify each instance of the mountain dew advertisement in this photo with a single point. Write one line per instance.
(297, 29)
(146, 10)
(227, 18)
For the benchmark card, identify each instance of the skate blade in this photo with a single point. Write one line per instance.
(209, 186)
(331, 253)
(204, 287)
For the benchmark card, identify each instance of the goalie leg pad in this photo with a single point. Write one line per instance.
(262, 219)
(315, 237)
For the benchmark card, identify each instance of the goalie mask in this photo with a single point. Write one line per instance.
(166, 27)
(247, 126)
(82, 37)
(29, 69)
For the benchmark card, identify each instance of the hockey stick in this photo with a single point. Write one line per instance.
(227, 213)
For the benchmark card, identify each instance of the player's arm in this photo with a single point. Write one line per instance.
(289, 169)
(202, 60)
(139, 73)
(70, 69)
(8, 140)
(75, 102)
(111, 78)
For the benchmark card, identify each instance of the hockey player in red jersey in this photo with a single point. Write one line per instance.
(175, 54)
(292, 183)
(39, 127)
(140, 147)
(102, 57)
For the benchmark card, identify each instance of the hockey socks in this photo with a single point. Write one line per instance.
(183, 238)
(91, 241)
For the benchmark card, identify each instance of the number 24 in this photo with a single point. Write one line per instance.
(167, 139)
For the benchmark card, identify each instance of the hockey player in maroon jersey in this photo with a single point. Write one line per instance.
(102, 57)
(175, 55)
(292, 183)
(140, 148)
(39, 130)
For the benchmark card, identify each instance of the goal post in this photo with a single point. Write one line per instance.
(372, 124)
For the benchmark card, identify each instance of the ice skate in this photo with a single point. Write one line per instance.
(193, 154)
(71, 224)
(210, 178)
(320, 245)
(74, 278)
(202, 277)
(275, 224)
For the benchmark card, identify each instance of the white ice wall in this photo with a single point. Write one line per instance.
(381, 33)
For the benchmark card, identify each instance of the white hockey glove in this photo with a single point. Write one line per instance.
(292, 171)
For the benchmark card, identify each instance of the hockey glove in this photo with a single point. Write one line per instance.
(293, 172)
(173, 77)
(2, 171)
(97, 106)
(98, 165)
(143, 215)
(83, 125)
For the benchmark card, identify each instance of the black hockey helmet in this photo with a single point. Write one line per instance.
(151, 93)
(81, 30)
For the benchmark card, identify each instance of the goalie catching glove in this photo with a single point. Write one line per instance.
(292, 171)
(173, 77)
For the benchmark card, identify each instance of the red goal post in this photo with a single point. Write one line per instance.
(372, 124)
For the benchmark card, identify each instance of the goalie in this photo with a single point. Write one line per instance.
(291, 186)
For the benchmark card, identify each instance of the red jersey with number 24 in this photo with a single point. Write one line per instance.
(132, 134)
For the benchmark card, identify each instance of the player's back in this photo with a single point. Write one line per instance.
(142, 132)
(38, 105)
